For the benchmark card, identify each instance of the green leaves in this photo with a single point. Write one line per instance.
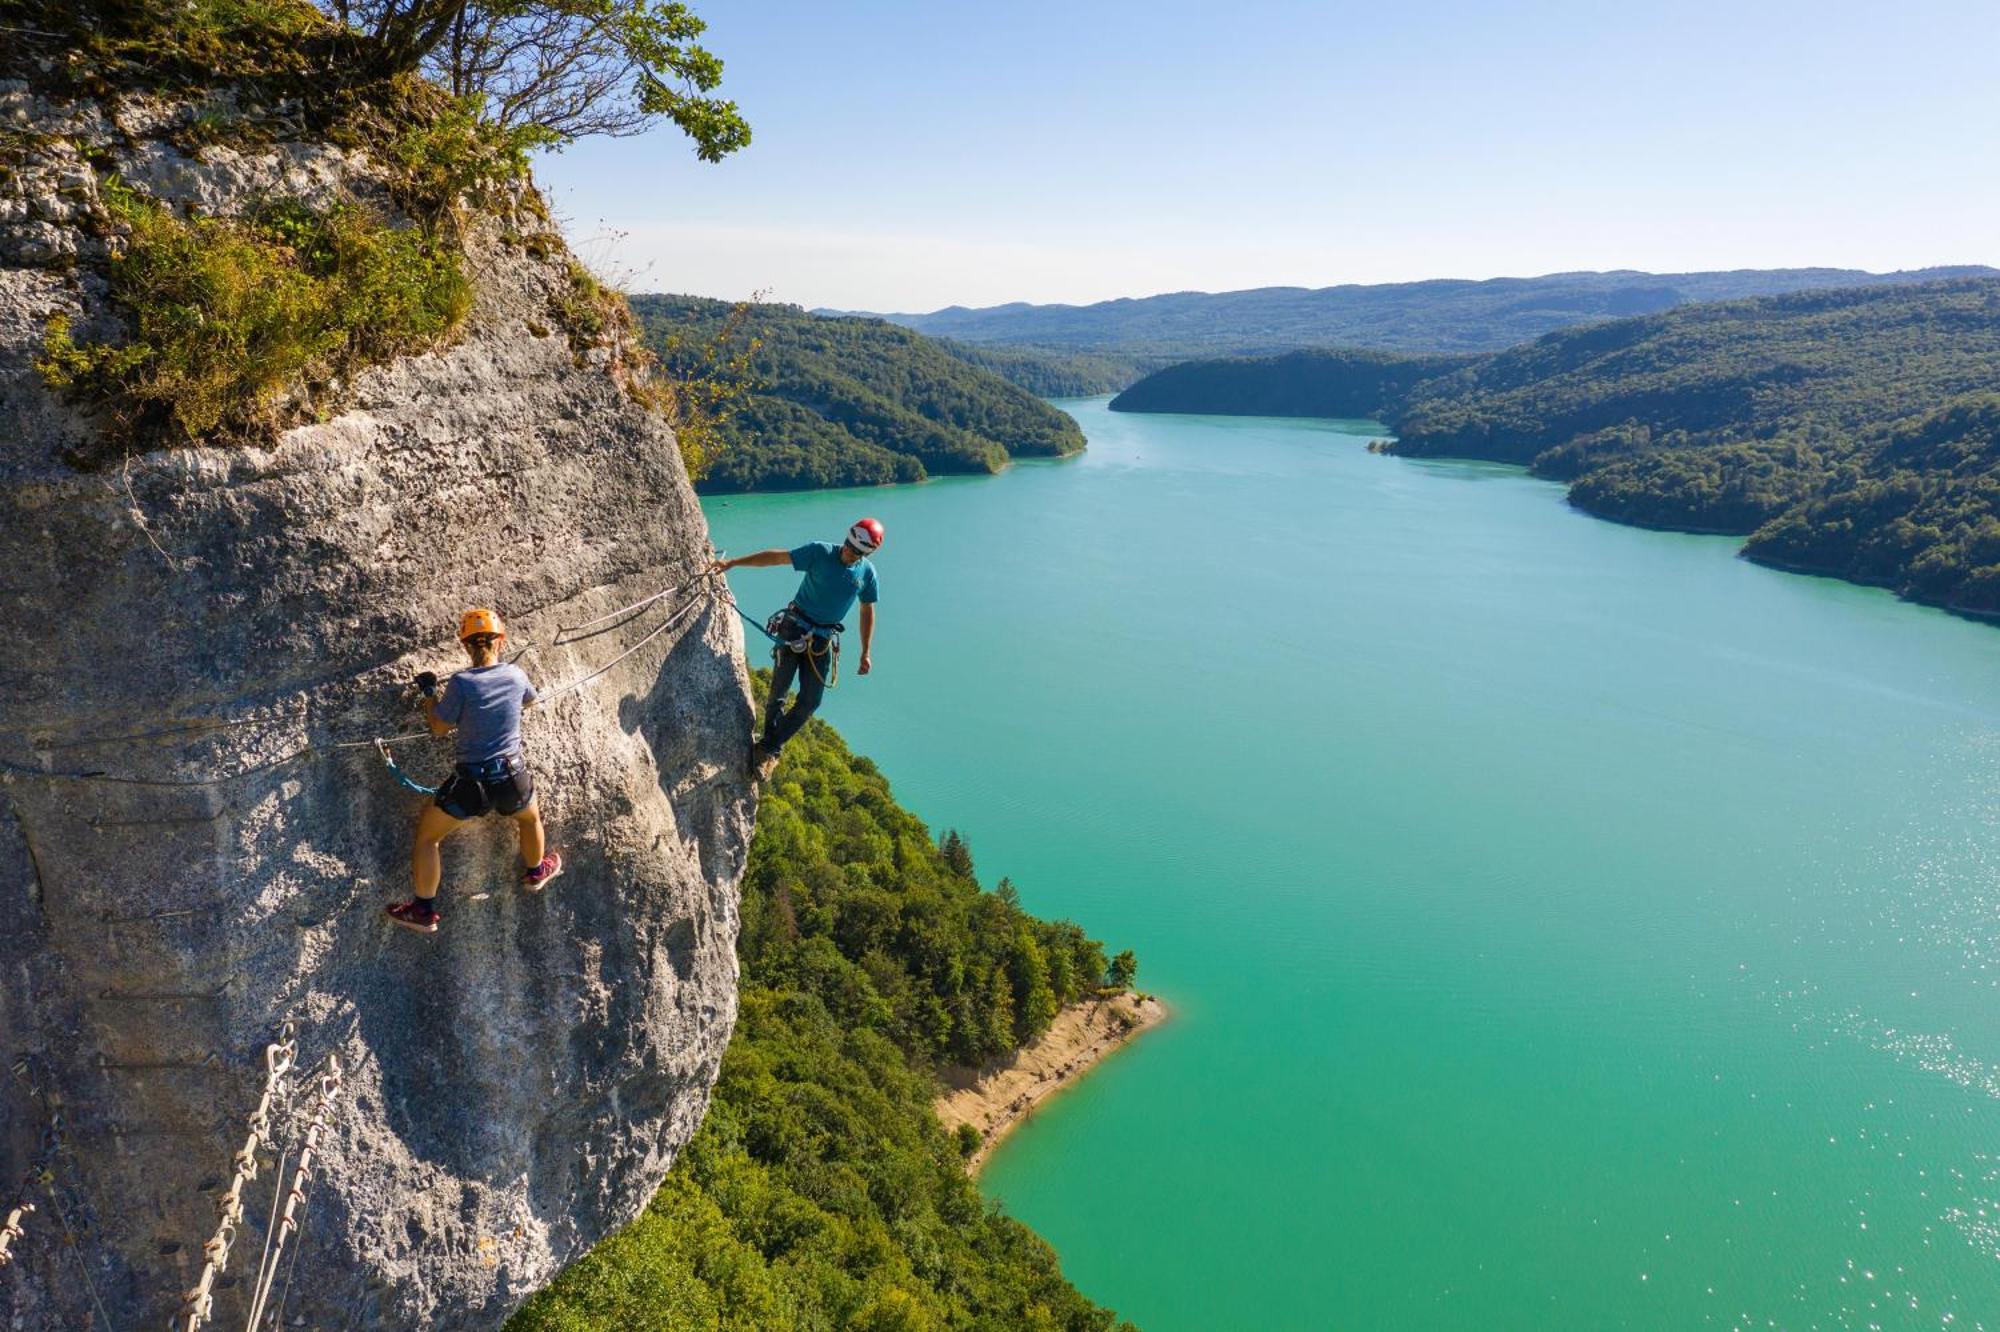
(819, 401)
(236, 325)
(554, 71)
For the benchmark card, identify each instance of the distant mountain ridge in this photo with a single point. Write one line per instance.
(1438, 315)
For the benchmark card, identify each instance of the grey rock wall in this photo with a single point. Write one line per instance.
(516, 1085)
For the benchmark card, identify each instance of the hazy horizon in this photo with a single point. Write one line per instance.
(911, 157)
(1295, 286)
(1403, 282)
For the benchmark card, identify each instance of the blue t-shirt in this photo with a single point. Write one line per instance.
(485, 703)
(829, 588)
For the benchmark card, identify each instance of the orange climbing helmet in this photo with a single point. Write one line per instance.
(479, 620)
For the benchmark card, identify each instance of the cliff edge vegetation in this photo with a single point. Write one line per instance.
(821, 1190)
(268, 198)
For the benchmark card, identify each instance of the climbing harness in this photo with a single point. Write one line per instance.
(781, 635)
(793, 629)
(302, 1177)
(199, 1302)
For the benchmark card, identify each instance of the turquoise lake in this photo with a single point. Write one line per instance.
(1568, 926)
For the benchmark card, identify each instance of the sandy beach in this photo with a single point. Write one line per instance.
(996, 1097)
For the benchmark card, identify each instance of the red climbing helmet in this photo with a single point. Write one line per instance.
(865, 536)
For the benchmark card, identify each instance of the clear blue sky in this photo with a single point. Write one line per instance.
(913, 155)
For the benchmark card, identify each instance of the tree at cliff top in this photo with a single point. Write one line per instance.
(559, 70)
(1847, 430)
(841, 402)
(230, 325)
(821, 1191)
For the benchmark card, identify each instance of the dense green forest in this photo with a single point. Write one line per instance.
(1846, 432)
(1435, 316)
(1922, 515)
(1056, 372)
(815, 401)
(1337, 382)
(820, 1191)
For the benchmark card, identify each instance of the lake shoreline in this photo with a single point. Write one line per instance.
(997, 1097)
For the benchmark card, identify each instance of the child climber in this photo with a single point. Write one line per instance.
(483, 704)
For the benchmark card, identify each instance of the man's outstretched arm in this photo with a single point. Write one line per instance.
(763, 559)
(867, 634)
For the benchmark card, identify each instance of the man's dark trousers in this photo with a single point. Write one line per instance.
(782, 723)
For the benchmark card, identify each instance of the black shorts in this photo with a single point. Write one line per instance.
(465, 796)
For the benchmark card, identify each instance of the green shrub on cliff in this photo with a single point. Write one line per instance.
(233, 327)
(236, 324)
(820, 1191)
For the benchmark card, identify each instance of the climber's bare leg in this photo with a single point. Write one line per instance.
(533, 841)
(426, 865)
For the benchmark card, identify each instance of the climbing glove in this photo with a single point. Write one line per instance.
(427, 684)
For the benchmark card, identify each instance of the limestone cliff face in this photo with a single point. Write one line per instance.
(517, 1085)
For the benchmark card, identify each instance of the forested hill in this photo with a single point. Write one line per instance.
(844, 402)
(1845, 432)
(1058, 372)
(1434, 316)
(1336, 382)
(821, 1191)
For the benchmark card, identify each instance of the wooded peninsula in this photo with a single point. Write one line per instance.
(1850, 432)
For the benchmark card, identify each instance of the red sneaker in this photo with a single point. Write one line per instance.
(536, 879)
(411, 917)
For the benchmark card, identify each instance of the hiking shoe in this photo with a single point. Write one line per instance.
(536, 879)
(763, 763)
(412, 917)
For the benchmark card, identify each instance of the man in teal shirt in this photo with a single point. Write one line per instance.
(808, 630)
